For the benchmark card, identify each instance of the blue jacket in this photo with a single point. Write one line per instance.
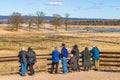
(55, 56)
(64, 52)
(96, 55)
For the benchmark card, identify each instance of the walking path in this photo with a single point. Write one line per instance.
(91, 75)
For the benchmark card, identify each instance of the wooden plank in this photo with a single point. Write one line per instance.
(118, 53)
(110, 60)
(8, 57)
(17, 56)
(105, 56)
(9, 60)
(117, 65)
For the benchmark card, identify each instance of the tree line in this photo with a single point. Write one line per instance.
(16, 19)
(96, 22)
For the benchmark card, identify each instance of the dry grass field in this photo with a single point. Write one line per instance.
(44, 41)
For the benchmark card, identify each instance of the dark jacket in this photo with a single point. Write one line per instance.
(75, 52)
(22, 56)
(55, 56)
(31, 57)
(95, 55)
(72, 63)
(64, 52)
(86, 62)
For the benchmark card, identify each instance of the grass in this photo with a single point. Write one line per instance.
(44, 42)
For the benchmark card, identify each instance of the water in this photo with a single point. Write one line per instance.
(80, 29)
(105, 30)
(96, 29)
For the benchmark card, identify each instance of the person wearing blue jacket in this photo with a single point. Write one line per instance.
(64, 55)
(96, 56)
(55, 60)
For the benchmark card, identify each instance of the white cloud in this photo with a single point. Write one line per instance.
(55, 3)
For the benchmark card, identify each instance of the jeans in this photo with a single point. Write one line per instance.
(23, 68)
(64, 65)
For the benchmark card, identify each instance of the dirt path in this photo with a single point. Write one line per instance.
(91, 75)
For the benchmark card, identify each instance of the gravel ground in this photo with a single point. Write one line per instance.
(91, 75)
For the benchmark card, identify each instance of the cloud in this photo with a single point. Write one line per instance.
(55, 3)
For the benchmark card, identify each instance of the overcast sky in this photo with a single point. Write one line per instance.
(108, 9)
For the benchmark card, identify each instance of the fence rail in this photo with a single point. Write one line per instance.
(108, 59)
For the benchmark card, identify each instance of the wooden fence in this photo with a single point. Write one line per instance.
(10, 65)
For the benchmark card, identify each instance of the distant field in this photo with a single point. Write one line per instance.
(43, 41)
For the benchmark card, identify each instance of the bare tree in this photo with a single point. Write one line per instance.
(56, 21)
(66, 21)
(15, 20)
(31, 20)
(40, 18)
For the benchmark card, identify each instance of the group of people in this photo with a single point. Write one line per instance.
(72, 63)
(56, 56)
(87, 55)
(27, 59)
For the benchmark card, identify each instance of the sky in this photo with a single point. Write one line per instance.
(105, 9)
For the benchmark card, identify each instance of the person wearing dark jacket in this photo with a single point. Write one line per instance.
(55, 60)
(75, 52)
(86, 62)
(64, 55)
(72, 63)
(23, 61)
(31, 59)
(96, 56)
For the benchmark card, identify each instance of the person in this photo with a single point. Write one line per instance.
(64, 55)
(75, 52)
(96, 56)
(86, 62)
(23, 61)
(55, 60)
(31, 58)
(72, 63)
